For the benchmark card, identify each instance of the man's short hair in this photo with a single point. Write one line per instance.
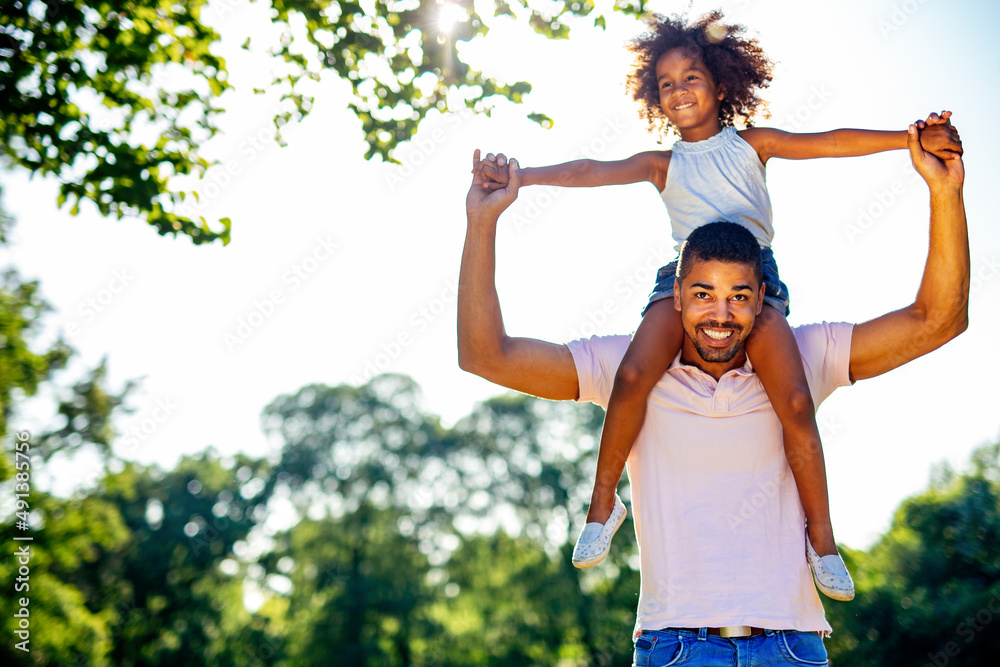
(722, 242)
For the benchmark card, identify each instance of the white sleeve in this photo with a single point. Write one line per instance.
(597, 359)
(826, 356)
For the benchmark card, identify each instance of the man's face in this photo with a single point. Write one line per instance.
(718, 302)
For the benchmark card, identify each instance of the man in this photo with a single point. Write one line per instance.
(720, 586)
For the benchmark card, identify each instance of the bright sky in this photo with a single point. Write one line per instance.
(339, 266)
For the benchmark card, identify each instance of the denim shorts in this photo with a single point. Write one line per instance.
(775, 291)
(696, 648)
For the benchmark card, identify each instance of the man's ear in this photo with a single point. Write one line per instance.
(760, 299)
(677, 294)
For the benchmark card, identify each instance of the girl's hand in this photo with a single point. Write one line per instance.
(486, 201)
(494, 171)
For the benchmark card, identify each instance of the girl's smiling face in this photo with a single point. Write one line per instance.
(689, 97)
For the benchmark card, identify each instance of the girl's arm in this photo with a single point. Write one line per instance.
(769, 142)
(649, 166)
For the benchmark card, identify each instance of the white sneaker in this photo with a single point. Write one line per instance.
(594, 542)
(831, 575)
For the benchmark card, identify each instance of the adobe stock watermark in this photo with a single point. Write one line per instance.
(159, 411)
(294, 277)
(220, 176)
(419, 149)
(127, 614)
(263, 653)
(222, 7)
(762, 493)
(22, 555)
(899, 16)
(881, 200)
(543, 197)
(163, 409)
(818, 96)
(640, 279)
(419, 321)
(98, 302)
(985, 272)
(967, 630)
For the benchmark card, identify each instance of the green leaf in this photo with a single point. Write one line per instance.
(542, 120)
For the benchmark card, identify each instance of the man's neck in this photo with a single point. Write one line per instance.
(690, 356)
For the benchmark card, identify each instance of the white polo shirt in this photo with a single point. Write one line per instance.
(718, 520)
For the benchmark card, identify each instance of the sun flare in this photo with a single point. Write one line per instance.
(449, 16)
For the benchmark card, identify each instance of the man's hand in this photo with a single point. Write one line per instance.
(938, 137)
(489, 202)
(935, 170)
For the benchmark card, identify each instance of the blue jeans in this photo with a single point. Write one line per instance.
(697, 648)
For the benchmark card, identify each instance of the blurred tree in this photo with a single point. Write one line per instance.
(180, 566)
(929, 590)
(69, 623)
(85, 408)
(508, 605)
(375, 444)
(512, 604)
(22, 369)
(106, 586)
(93, 95)
(359, 592)
(382, 472)
(83, 102)
(514, 460)
(71, 590)
(534, 460)
(143, 570)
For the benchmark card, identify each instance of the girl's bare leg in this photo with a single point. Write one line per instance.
(775, 356)
(654, 345)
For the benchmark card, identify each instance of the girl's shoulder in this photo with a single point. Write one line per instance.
(656, 164)
(762, 140)
(654, 159)
(655, 156)
(757, 135)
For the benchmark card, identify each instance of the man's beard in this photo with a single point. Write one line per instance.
(717, 355)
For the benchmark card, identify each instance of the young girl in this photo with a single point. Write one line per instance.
(699, 80)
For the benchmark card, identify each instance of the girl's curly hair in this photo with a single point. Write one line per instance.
(737, 63)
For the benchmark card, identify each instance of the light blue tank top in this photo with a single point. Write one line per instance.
(719, 178)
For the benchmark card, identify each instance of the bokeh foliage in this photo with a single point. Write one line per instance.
(84, 102)
(114, 98)
(929, 590)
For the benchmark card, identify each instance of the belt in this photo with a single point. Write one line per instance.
(728, 630)
(736, 631)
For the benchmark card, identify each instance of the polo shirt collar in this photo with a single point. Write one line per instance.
(679, 366)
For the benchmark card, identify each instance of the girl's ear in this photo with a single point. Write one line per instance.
(721, 92)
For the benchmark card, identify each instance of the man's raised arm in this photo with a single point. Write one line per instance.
(941, 309)
(484, 348)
